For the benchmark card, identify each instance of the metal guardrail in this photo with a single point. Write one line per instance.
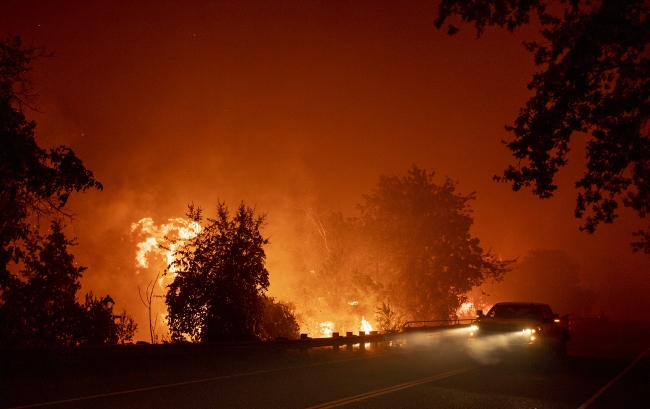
(433, 325)
(60, 360)
(64, 357)
(181, 348)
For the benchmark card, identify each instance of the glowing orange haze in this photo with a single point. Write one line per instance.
(282, 104)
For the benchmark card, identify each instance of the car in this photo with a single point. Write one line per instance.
(522, 325)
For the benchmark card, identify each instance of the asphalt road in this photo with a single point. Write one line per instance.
(604, 369)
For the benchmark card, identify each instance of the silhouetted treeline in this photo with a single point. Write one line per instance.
(38, 277)
(39, 306)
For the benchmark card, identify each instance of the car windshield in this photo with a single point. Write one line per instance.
(521, 312)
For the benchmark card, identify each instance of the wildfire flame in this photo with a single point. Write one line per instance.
(326, 328)
(158, 245)
(466, 310)
(365, 325)
(162, 240)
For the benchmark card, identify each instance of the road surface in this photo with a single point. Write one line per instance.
(604, 369)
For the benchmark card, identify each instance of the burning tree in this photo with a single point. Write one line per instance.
(419, 232)
(218, 291)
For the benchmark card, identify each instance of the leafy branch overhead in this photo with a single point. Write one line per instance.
(595, 80)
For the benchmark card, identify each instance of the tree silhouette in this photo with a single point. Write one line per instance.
(408, 256)
(279, 320)
(126, 327)
(420, 233)
(218, 291)
(39, 308)
(98, 323)
(147, 302)
(596, 79)
(38, 277)
(33, 181)
(388, 319)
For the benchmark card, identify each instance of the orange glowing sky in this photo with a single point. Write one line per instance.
(282, 103)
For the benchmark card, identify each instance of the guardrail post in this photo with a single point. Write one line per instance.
(362, 344)
(374, 345)
(348, 345)
(335, 347)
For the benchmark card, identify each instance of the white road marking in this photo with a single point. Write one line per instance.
(610, 383)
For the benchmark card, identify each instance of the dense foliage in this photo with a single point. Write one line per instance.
(595, 79)
(38, 277)
(279, 320)
(421, 236)
(33, 181)
(39, 307)
(388, 319)
(218, 290)
(409, 256)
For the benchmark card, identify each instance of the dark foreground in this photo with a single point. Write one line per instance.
(444, 374)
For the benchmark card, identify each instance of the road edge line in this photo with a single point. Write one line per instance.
(610, 383)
